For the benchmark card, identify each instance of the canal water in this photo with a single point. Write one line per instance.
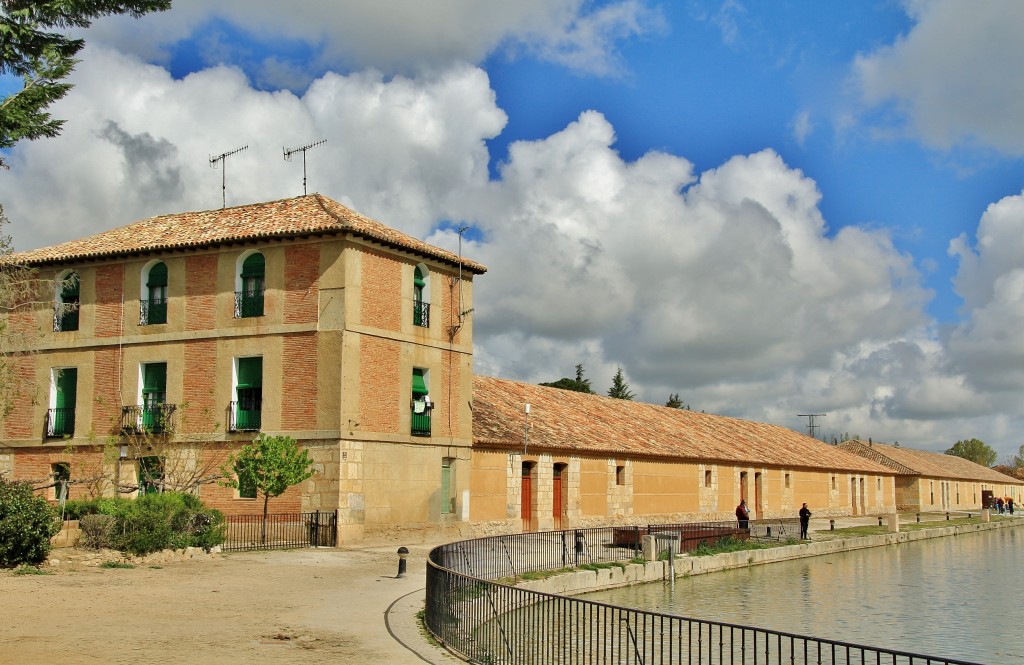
(958, 597)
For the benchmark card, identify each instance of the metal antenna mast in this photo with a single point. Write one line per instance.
(223, 172)
(288, 157)
(811, 427)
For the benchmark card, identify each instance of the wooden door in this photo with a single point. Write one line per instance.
(556, 492)
(527, 502)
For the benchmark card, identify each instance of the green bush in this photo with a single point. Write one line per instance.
(171, 520)
(79, 508)
(27, 522)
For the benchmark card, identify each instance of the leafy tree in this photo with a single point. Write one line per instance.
(675, 403)
(1017, 461)
(43, 59)
(579, 384)
(27, 522)
(974, 450)
(269, 465)
(620, 389)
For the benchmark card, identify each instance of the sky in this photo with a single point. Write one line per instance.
(771, 209)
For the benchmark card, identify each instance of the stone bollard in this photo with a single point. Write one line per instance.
(403, 552)
(894, 523)
(649, 548)
(879, 520)
(986, 515)
(831, 525)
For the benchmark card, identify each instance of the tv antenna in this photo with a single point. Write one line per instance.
(811, 427)
(223, 172)
(288, 157)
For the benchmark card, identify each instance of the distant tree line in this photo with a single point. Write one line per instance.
(619, 390)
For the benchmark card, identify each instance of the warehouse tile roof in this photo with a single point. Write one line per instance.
(563, 420)
(908, 461)
(295, 217)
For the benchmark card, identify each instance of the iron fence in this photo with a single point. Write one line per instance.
(60, 422)
(281, 531)
(471, 611)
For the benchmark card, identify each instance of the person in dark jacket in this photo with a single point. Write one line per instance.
(742, 514)
(805, 520)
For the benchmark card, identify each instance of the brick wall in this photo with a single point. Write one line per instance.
(379, 381)
(201, 292)
(381, 304)
(199, 379)
(108, 315)
(301, 283)
(35, 465)
(450, 374)
(299, 382)
(106, 410)
(19, 425)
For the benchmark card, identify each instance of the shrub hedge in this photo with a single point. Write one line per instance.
(27, 522)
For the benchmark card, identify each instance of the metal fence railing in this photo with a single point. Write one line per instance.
(281, 531)
(470, 610)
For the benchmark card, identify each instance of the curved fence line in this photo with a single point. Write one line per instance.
(472, 612)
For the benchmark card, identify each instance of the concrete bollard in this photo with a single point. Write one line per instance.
(831, 525)
(918, 518)
(986, 515)
(403, 552)
(649, 548)
(894, 523)
(879, 520)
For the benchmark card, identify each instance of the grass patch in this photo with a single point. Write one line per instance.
(116, 564)
(26, 569)
(727, 544)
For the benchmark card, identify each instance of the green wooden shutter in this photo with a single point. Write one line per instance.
(67, 388)
(446, 482)
(154, 378)
(250, 373)
(157, 276)
(419, 386)
(254, 266)
(69, 291)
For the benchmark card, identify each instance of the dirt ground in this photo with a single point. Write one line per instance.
(299, 606)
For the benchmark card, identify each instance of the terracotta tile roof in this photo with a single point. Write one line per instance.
(298, 216)
(576, 422)
(926, 463)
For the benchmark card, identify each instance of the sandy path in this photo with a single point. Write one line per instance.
(302, 606)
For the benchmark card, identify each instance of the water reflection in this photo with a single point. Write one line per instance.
(957, 597)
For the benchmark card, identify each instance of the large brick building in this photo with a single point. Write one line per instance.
(171, 341)
(159, 348)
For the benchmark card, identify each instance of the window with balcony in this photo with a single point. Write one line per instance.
(420, 293)
(153, 415)
(421, 404)
(65, 310)
(247, 409)
(60, 417)
(251, 280)
(153, 304)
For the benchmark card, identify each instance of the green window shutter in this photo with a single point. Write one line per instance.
(446, 481)
(419, 386)
(69, 291)
(154, 378)
(250, 373)
(67, 388)
(418, 278)
(254, 266)
(157, 276)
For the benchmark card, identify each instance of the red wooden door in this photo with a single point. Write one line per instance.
(527, 504)
(556, 490)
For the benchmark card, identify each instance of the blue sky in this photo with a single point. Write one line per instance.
(769, 208)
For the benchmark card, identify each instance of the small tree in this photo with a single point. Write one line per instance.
(974, 450)
(620, 389)
(27, 522)
(579, 384)
(269, 465)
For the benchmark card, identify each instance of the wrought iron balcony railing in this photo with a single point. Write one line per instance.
(152, 311)
(65, 317)
(248, 304)
(60, 422)
(245, 415)
(421, 423)
(421, 313)
(154, 419)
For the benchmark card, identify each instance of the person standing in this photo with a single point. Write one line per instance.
(805, 521)
(742, 514)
